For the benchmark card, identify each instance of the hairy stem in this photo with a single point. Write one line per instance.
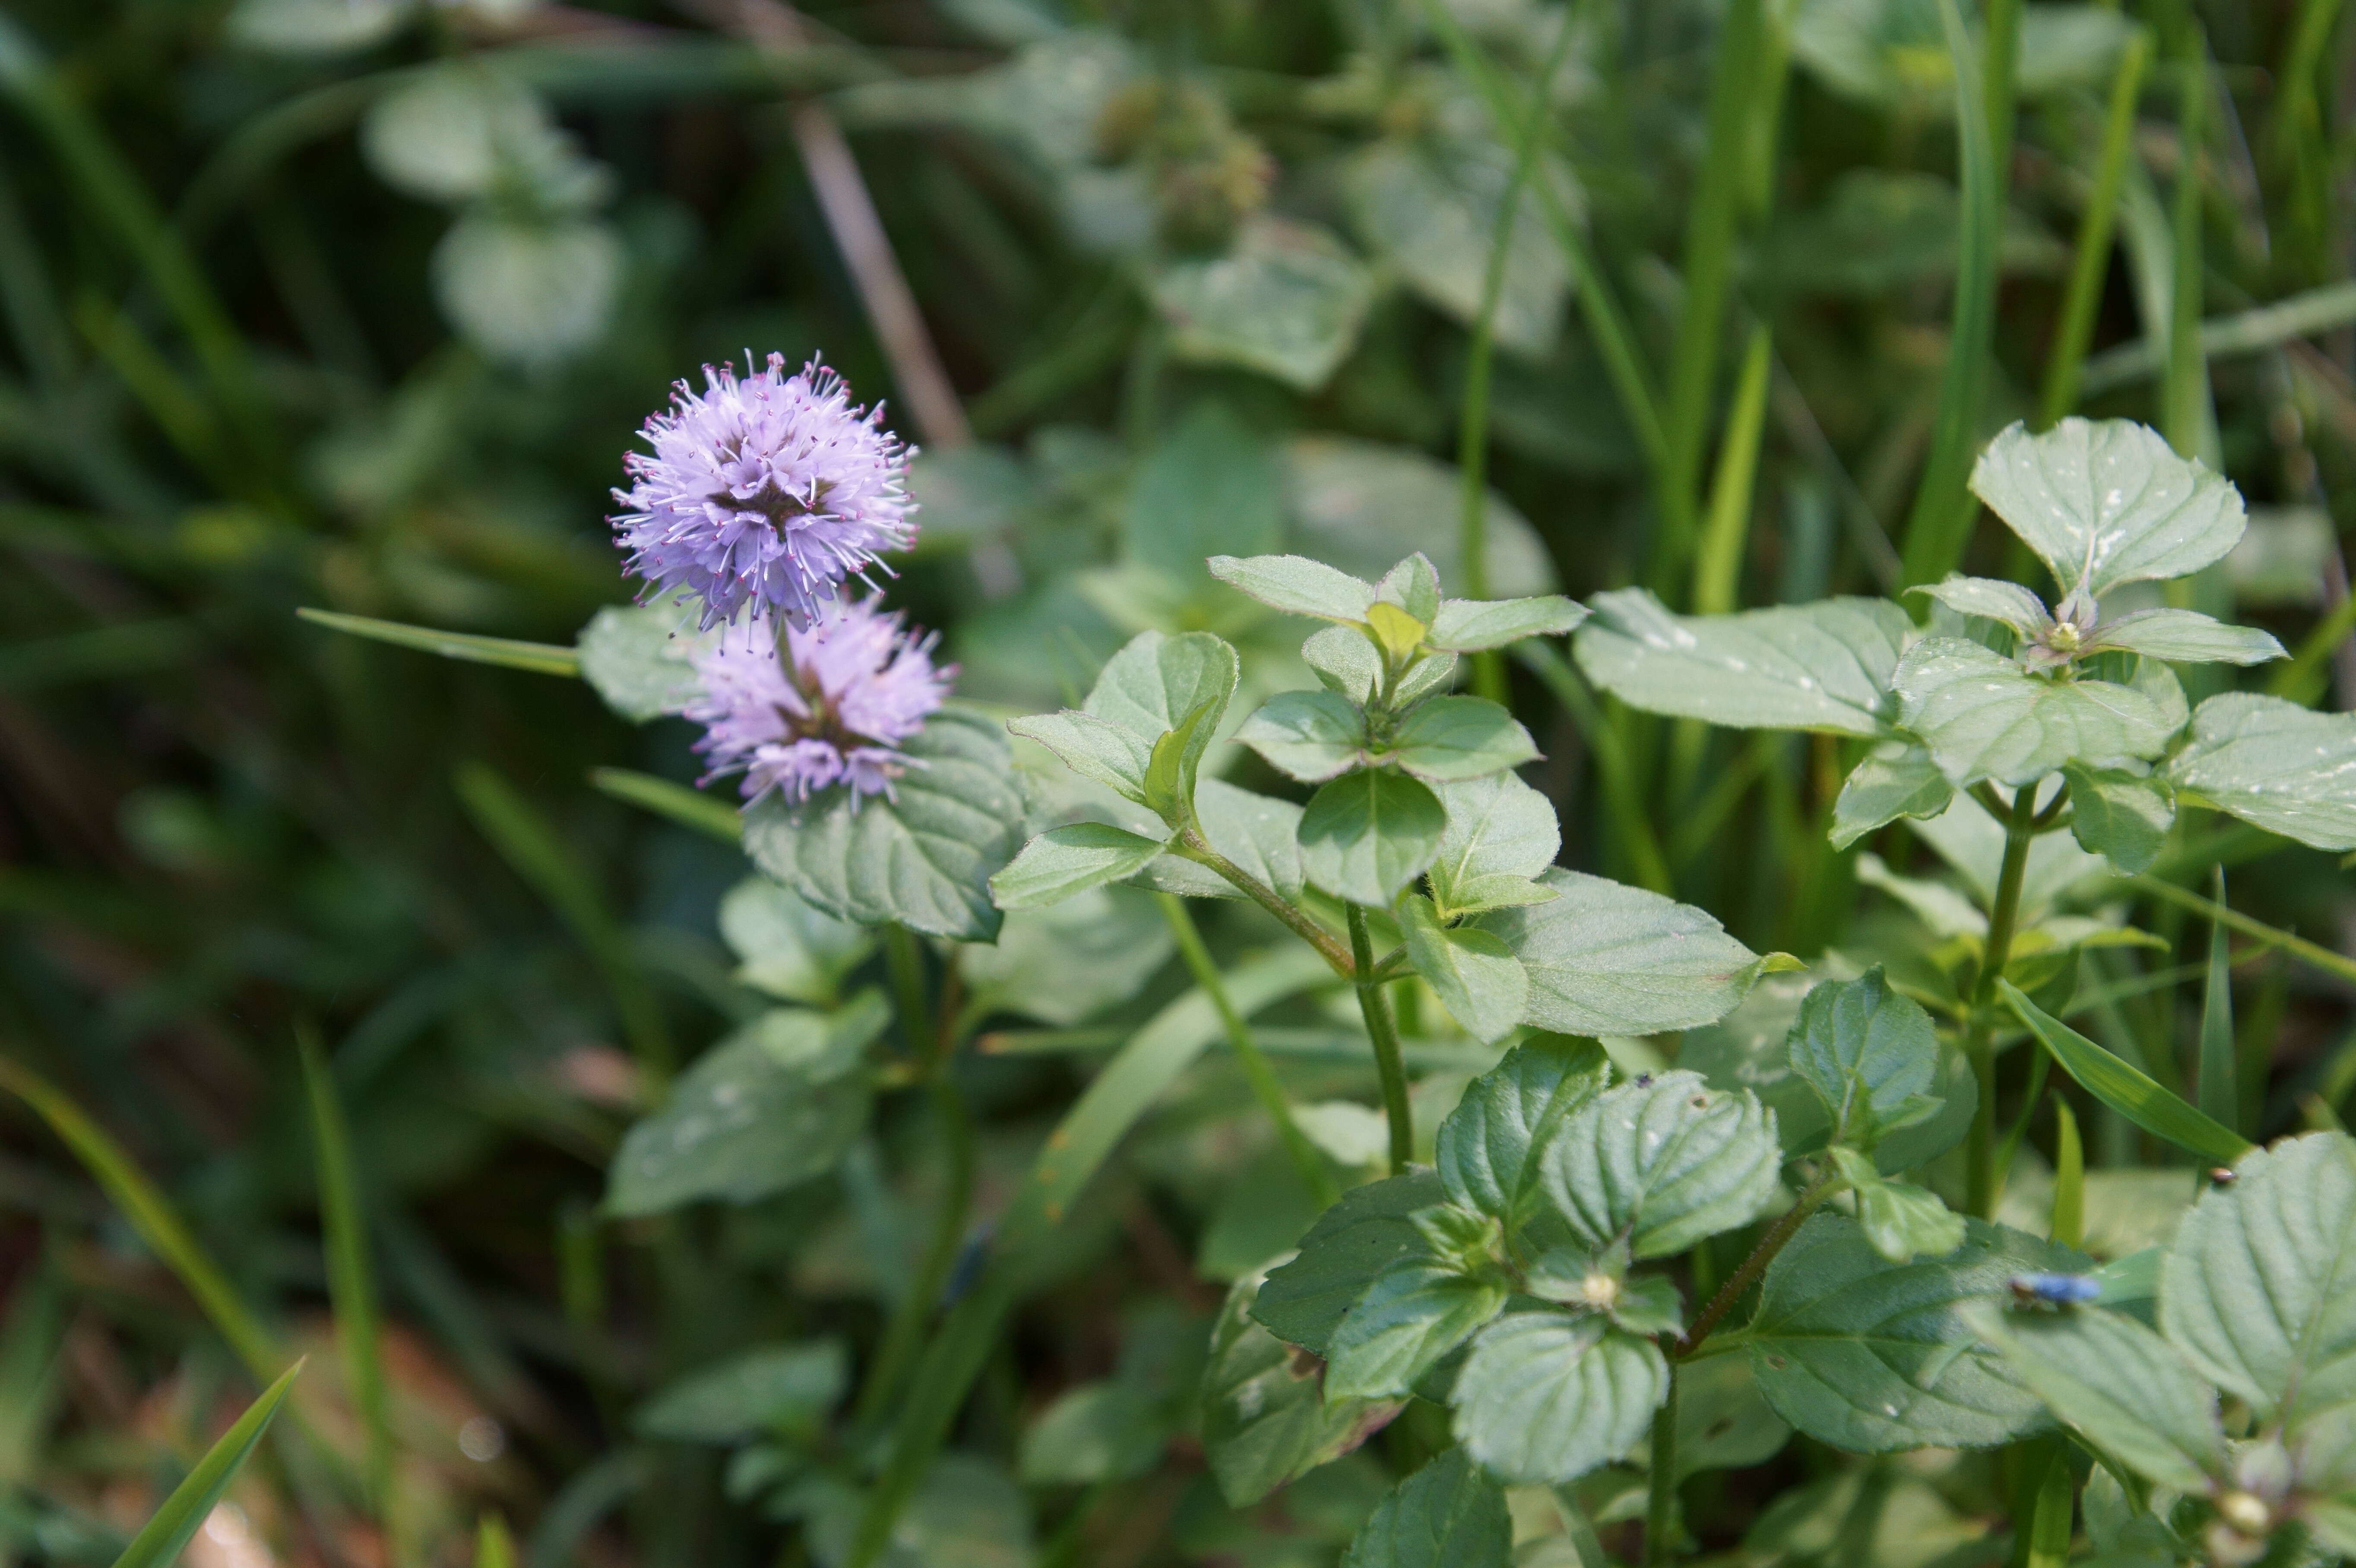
(1980, 1173)
(1199, 850)
(1661, 1497)
(1389, 1062)
(1256, 1069)
(1728, 1294)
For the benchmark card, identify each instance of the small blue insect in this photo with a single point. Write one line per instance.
(2054, 1289)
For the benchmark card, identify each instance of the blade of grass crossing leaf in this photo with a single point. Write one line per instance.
(2125, 1089)
(160, 1541)
(2185, 416)
(494, 1547)
(1472, 430)
(2050, 1528)
(2091, 263)
(151, 1215)
(2069, 1223)
(351, 1279)
(688, 808)
(539, 658)
(2322, 958)
(2216, 1088)
(1718, 568)
(1939, 524)
(533, 851)
(1711, 216)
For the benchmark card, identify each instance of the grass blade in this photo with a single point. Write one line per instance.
(150, 1214)
(159, 1542)
(2301, 677)
(2092, 262)
(2069, 1226)
(688, 808)
(2185, 415)
(535, 853)
(2124, 1088)
(2050, 1526)
(1632, 829)
(494, 1547)
(540, 658)
(29, 1370)
(1940, 525)
(1718, 568)
(1708, 266)
(351, 1280)
(2322, 958)
(2215, 1088)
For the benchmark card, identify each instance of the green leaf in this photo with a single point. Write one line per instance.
(1156, 683)
(1170, 769)
(1097, 1432)
(1501, 833)
(1545, 1398)
(1477, 979)
(1311, 735)
(1286, 300)
(1724, 1422)
(1298, 585)
(923, 856)
(1366, 836)
(1448, 1514)
(1901, 1220)
(766, 1108)
(539, 658)
(1348, 664)
(1092, 748)
(1897, 778)
(1264, 1420)
(2124, 1088)
(168, 1530)
(2007, 603)
(2129, 1392)
(1985, 717)
(1823, 667)
(774, 1390)
(641, 658)
(1071, 961)
(1874, 1357)
(2260, 1288)
(1361, 505)
(1066, 861)
(1208, 488)
(2290, 770)
(1661, 1164)
(1449, 739)
(786, 947)
(530, 290)
(2107, 502)
(1259, 833)
(1428, 204)
(1488, 1148)
(1604, 958)
(2123, 816)
(1353, 1242)
(1870, 1054)
(1469, 625)
(1412, 1313)
(2186, 636)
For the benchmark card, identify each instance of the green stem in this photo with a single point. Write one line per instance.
(904, 1335)
(1661, 1496)
(2092, 261)
(1388, 1060)
(1752, 1267)
(1199, 850)
(906, 961)
(1980, 1175)
(1472, 429)
(1315, 1175)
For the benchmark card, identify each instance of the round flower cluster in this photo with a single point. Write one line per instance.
(818, 708)
(764, 495)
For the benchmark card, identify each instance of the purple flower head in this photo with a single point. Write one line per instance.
(768, 491)
(830, 708)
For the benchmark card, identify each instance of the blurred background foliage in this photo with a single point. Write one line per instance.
(357, 303)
